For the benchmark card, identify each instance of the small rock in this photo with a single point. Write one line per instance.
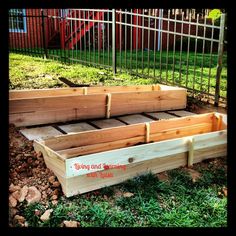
(13, 211)
(128, 194)
(12, 201)
(51, 179)
(13, 188)
(49, 191)
(54, 202)
(195, 175)
(35, 171)
(54, 197)
(56, 184)
(44, 187)
(18, 157)
(16, 194)
(19, 219)
(118, 193)
(55, 192)
(39, 154)
(36, 162)
(23, 193)
(46, 215)
(27, 155)
(33, 195)
(162, 176)
(70, 223)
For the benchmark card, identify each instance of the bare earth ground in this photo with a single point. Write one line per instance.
(26, 168)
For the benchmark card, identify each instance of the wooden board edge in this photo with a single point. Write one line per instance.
(82, 165)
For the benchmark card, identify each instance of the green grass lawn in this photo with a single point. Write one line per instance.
(176, 202)
(188, 71)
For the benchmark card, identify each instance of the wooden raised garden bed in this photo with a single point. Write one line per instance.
(43, 106)
(90, 160)
(122, 147)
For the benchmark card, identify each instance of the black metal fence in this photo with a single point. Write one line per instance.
(175, 46)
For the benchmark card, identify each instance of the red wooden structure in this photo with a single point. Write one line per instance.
(64, 29)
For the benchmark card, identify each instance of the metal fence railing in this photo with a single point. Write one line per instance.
(175, 46)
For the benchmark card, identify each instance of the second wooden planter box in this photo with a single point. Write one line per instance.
(90, 160)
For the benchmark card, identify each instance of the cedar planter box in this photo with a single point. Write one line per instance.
(44, 106)
(90, 160)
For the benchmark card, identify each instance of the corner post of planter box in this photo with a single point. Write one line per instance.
(190, 151)
(219, 122)
(220, 58)
(114, 40)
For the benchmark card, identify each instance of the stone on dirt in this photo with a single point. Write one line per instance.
(46, 215)
(51, 179)
(70, 223)
(128, 194)
(13, 188)
(12, 201)
(23, 193)
(33, 195)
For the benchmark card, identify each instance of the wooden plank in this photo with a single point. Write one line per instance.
(137, 102)
(95, 137)
(75, 128)
(82, 184)
(107, 123)
(206, 153)
(182, 113)
(99, 147)
(83, 103)
(160, 115)
(135, 119)
(221, 119)
(181, 132)
(32, 93)
(118, 89)
(40, 132)
(125, 132)
(46, 117)
(143, 152)
(163, 135)
(52, 159)
(36, 93)
(34, 111)
(160, 125)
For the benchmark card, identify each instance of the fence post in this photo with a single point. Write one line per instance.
(114, 40)
(220, 58)
(44, 39)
